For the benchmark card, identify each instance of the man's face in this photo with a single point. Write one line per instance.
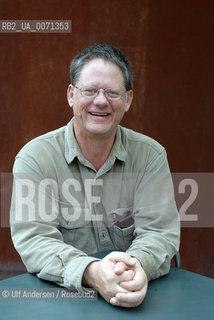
(98, 116)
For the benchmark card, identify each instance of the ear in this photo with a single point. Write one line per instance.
(70, 94)
(129, 99)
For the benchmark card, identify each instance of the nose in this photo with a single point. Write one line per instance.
(101, 99)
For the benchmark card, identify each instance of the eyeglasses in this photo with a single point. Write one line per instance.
(92, 92)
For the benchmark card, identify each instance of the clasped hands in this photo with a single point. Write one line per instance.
(119, 278)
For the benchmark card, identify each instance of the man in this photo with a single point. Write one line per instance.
(95, 186)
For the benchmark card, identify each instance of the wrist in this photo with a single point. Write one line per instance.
(90, 275)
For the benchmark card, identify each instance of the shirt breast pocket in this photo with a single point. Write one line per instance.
(123, 228)
(74, 217)
(75, 227)
(123, 237)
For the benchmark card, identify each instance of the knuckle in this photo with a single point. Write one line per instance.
(121, 264)
(140, 298)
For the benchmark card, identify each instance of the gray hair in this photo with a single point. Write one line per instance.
(106, 52)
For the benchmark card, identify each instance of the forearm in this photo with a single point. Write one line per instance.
(37, 239)
(154, 251)
(43, 252)
(157, 226)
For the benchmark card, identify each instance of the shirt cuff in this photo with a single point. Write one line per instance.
(74, 271)
(146, 260)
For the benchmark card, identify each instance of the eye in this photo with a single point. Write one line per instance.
(113, 94)
(89, 91)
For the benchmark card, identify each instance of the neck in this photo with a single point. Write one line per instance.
(95, 149)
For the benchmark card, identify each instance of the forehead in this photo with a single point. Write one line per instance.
(99, 72)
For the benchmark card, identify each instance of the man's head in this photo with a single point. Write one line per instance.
(105, 52)
(100, 90)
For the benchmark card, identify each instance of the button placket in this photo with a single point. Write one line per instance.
(101, 230)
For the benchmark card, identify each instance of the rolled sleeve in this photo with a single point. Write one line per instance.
(38, 241)
(157, 226)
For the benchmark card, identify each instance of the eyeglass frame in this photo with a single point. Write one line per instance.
(98, 91)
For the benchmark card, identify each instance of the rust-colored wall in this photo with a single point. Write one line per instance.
(179, 100)
(171, 49)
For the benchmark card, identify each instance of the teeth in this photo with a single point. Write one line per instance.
(98, 114)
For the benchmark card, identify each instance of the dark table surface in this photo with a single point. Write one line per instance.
(179, 295)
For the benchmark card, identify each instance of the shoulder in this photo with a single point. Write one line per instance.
(136, 140)
(142, 152)
(45, 143)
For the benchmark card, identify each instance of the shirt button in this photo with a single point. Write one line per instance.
(104, 235)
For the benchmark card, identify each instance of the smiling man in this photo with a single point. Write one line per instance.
(94, 186)
(99, 103)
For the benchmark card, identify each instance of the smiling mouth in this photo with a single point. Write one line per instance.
(98, 114)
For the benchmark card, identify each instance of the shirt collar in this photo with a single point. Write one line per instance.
(118, 150)
(72, 149)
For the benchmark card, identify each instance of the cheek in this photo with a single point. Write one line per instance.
(79, 108)
(119, 109)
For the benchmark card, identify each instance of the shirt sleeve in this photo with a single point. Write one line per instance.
(157, 226)
(34, 221)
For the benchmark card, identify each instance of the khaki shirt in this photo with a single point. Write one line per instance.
(63, 210)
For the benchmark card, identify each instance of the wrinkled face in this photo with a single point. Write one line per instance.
(98, 116)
